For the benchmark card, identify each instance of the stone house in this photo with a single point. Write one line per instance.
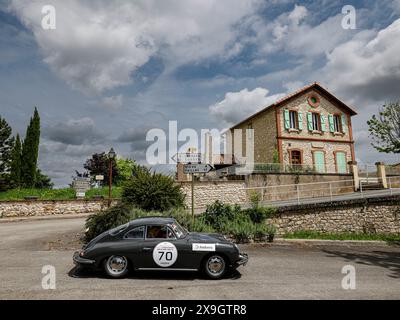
(310, 128)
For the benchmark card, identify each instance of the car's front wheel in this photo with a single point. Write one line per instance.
(116, 266)
(215, 266)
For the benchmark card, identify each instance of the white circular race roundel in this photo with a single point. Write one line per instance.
(165, 254)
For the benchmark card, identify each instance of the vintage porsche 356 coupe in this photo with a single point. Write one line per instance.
(158, 243)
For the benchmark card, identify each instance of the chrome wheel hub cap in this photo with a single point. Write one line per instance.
(215, 265)
(117, 264)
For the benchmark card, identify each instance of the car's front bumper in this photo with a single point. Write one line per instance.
(78, 260)
(243, 259)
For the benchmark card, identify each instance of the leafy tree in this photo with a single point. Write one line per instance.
(30, 151)
(99, 163)
(6, 144)
(16, 163)
(42, 181)
(127, 168)
(152, 191)
(385, 129)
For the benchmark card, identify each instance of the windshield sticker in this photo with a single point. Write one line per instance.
(165, 254)
(203, 246)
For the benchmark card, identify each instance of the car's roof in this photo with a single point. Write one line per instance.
(152, 220)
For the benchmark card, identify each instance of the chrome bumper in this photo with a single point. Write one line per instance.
(243, 259)
(80, 260)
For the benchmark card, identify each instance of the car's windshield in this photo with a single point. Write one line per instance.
(180, 231)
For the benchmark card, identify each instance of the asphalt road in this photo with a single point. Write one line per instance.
(280, 271)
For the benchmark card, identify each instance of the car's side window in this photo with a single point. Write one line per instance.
(157, 232)
(135, 233)
(171, 234)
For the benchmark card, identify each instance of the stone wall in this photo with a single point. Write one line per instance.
(233, 192)
(380, 215)
(205, 193)
(9, 209)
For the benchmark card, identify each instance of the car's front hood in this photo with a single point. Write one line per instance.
(207, 237)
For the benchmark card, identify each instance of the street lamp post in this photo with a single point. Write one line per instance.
(111, 156)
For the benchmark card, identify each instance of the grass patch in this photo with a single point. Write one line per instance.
(341, 236)
(55, 194)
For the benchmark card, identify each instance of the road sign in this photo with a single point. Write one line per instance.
(196, 168)
(187, 157)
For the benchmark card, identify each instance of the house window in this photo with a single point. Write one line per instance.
(316, 121)
(295, 157)
(294, 120)
(337, 123)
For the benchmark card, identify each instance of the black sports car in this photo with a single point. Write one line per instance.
(156, 243)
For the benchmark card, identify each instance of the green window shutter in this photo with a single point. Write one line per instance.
(287, 120)
(309, 120)
(344, 123)
(323, 124)
(300, 120)
(331, 125)
(341, 162)
(319, 161)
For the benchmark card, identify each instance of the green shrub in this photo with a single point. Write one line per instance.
(108, 219)
(113, 217)
(241, 231)
(259, 214)
(260, 232)
(218, 213)
(152, 191)
(199, 225)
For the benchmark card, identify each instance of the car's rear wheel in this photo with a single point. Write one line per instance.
(116, 266)
(215, 266)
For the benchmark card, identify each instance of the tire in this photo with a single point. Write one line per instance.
(215, 266)
(116, 266)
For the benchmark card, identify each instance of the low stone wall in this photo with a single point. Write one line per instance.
(23, 208)
(233, 191)
(380, 215)
(205, 193)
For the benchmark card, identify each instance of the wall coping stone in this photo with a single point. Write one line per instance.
(387, 200)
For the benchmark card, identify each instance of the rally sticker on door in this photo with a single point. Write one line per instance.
(203, 246)
(165, 254)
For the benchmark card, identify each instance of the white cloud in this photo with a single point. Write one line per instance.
(292, 32)
(112, 102)
(369, 63)
(97, 45)
(237, 106)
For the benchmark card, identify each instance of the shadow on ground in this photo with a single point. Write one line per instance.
(384, 259)
(82, 273)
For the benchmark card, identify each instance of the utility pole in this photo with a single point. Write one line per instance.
(192, 195)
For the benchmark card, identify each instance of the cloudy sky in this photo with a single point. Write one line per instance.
(112, 70)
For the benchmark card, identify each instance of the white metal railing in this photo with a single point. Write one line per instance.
(367, 173)
(271, 168)
(393, 183)
(301, 191)
(392, 170)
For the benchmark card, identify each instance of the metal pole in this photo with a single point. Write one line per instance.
(110, 183)
(193, 196)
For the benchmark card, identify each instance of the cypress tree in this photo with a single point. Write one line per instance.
(30, 151)
(16, 162)
(6, 144)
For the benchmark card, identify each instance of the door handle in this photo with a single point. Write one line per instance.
(146, 249)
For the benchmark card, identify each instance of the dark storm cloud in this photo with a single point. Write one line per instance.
(74, 132)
